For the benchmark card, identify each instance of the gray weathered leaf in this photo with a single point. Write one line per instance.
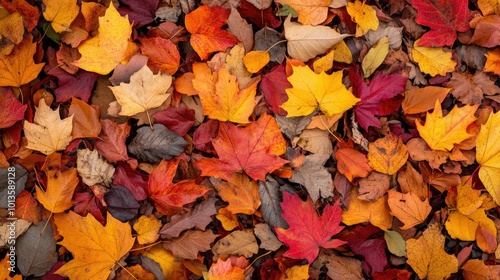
(36, 250)
(152, 266)
(268, 240)
(269, 192)
(16, 173)
(292, 126)
(155, 145)
(265, 38)
(93, 169)
(315, 178)
(121, 203)
(239, 242)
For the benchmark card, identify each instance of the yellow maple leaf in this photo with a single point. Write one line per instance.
(468, 199)
(19, 68)
(147, 228)
(102, 53)
(96, 248)
(145, 91)
(492, 62)
(464, 227)
(170, 265)
(60, 189)
(387, 155)
(364, 16)
(220, 95)
(433, 61)
(312, 12)
(441, 133)
(311, 90)
(427, 257)
(60, 13)
(241, 193)
(48, 133)
(488, 156)
(362, 211)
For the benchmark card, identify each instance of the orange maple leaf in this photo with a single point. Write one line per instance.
(254, 149)
(19, 68)
(205, 25)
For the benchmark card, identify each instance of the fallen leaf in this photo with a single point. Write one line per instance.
(485, 31)
(11, 27)
(488, 156)
(85, 119)
(229, 221)
(410, 180)
(464, 227)
(145, 91)
(59, 191)
(305, 41)
(48, 133)
(408, 208)
(11, 110)
(239, 242)
(419, 100)
(19, 68)
(477, 269)
(171, 267)
(240, 28)
(469, 89)
(241, 193)
(139, 13)
(375, 56)
(427, 257)
(254, 149)
(361, 211)
(163, 55)
(273, 86)
(312, 12)
(468, 199)
(136, 271)
(441, 133)
(315, 178)
(121, 203)
(205, 25)
(60, 14)
(374, 186)
(93, 169)
(268, 240)
(169, 198)
(492, 62)
(5, 271)
(111, 141)
(268, 39)
(364, 16)
(27, 208)
(269, 192)
(387, 155)
(307, 231)
(7, 231)
(29, 13)
(147, 228)
(96, 248)
(310, 91)
(395, 243)
(433, 61)
(256, 60)
(341, 268)
(419, 150)
(352, 163)
(190, 244)
(221, 270)
(102, 53)
(298, 272)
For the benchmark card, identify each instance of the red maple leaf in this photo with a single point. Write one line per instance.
(444, 17)
(273, 87)
(307, 231)
(205, 25)
(169, 197)
(254, 149)
(11, 110)
(379, 97)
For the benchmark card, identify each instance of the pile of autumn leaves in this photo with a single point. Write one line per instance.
(217, 124)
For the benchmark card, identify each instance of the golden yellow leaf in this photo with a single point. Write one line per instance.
(60, 13)
(145, 91)
(241, 193)
(312, 12)
(387, 155)
(433, 61)
(464, 227)
(298, 272)
(5, 270)
(171, 266)
(492, 62)
(468, 199)
(488, 155)
(60, 189)
(12, 28)
(363, 15)
(441, 133)
(489, 7)
(418, 100)
(228, 220)
(96, 248)
(147, 228)
(102, 53)
(19, 68)
(427, 257)
(361, 211)
(220, 95)
(342, 53)
(48, 133)
(408, 208)
(255, 60)
(325, 63)
(375, 56)
(311, 90)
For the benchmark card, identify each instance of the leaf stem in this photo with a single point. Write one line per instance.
(145, 247)
(279, 42)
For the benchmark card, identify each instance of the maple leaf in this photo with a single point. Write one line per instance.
(312, 12)
(492, 62)
(427, 257)
(444, 18)
(307, 231)
(222, 270)
(352, 163)
(60, 13)
(19, 68)
(488, 156)
(169, 197)
(387, 155)
(163, 55)
(96, 248)
(379, 97)
(408, 208)
(254, 149)
(241, 193)
(440, 132)
(60, 188)
(205, 25)
(48, 133)
(220, 95)
(11, 110)
(102, 53)
(147, 228)
(145, 91)
(364, 15)
(310, 90)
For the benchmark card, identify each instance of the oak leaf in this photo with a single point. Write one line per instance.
(311, 12)
(11, 110)
(433, 61)
(310, 90)
(48, 133)
(441, 133)
(361, 211)
(147, 228)
(170, 197)
(254, 149)
(59, 192)
(102, 53)
(427, 257)
(96, 248)
(307, 231)
(364, 15)
(145, 91)
(220, 95)
(60, 13)
(488, 155)
(241, 193)
(19, 68)
(408, 208)
(205, 25)
(387, 155)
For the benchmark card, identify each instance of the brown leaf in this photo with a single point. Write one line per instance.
(374, 186)
(192, 242)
